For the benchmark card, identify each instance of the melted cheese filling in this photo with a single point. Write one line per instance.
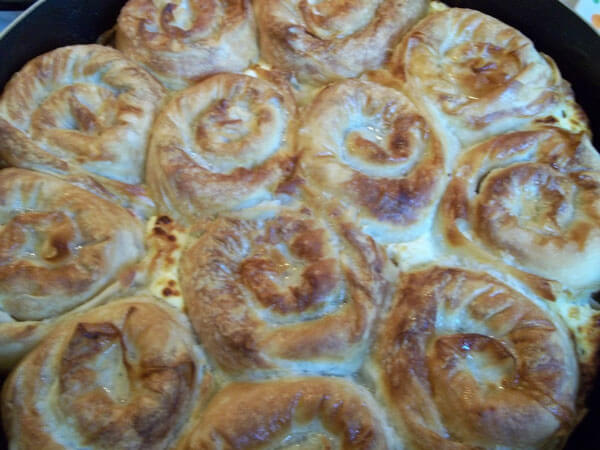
(164, 252)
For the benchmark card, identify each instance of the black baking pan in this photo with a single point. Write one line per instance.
(15, 5)
(554, 29)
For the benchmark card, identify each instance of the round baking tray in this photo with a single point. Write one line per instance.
(554, 29)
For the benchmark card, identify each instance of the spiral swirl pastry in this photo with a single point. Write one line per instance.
(477, 76)
(280, 289)
(329, 40)
(293, 413)
(529, 201)
(125, 375)
(222, 144)
(60, 247)
(182, 41)
(83, 112)
(368, 147)
(464, 361)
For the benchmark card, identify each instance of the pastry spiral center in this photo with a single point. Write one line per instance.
(531, 198)
(480, 67)
(336, 19)
(134, 387)
(181, 19)
(73, 118)
(387, 140)
(292, 273)
(51, 235)
(242, 129)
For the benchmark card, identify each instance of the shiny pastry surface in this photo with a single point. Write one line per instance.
(477, 76)
(368, 147)
(282, 289)
(82, 112)
(465, 361)
(531, 200)
(183, 41)
(379, 230)
(125, 375)
(324, 41)
(60, 247)
(223, 143)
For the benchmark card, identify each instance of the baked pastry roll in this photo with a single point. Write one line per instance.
(222, 144)
(529, 203)
(181, 42)
(326, 41)
(477, 76)
(368, 148)
(290, 413)
(84, 113)
(465, 361)
(124, 375)
(61, 247)
(281, 289)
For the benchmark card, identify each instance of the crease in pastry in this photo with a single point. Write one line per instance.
(368, 148)
(124, 375)
(528, 202)
(225, 143)
(83, 113)
(465, 361)
(290, 414)
(61, 248)
(184, 41)
(322, 42)
(279, 289)
(478, 77)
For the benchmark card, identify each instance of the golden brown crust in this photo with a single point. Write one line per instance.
(464, 361)
(282, 290)
(368, 147)
(221, 144)
(60, 247)
(290, 412)
(326, 41)
(84, 113)
(182, 42)
(125, 375)
(477, 76)
(529, 200)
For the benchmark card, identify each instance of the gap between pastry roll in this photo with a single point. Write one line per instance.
(291, 413)
(124, 375)
(277, 289)
(366, 148)
(320, 42)
(183, 41)
(223, 144)
(83, 113)
(478, 77)
(61, 249)
(465, 361)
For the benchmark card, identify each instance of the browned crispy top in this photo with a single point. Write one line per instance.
(326, 41)
(83, 112)
(125, 374)
(306, 412)
(476, 74)
(182, 42)
(282, 290)
(59, 245)
(368, 147)
(531, 195)
(220, 143)
(464, 361)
